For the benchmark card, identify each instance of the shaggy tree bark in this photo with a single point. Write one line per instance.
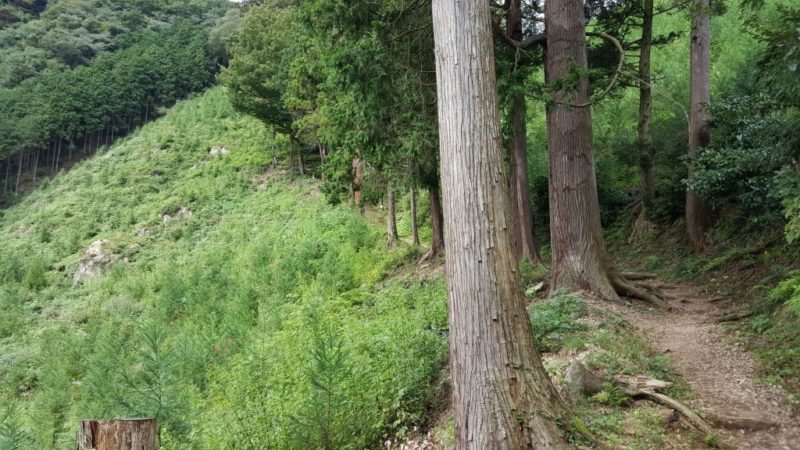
(502, 397)
(437, 228)
(698, 218)
(580, 259)
(391, 219)
(518, 153)
(414, 226)
(138, 434)
(645, 138)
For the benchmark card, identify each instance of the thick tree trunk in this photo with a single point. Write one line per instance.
(645, 134)
(414, 225)
(518, 154)
(391, 219)
(134, 434)
(503, 398)
(580, 260)
(698, 218)
(437, 222)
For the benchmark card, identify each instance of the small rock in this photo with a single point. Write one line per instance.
(218, 150)
(95, 261)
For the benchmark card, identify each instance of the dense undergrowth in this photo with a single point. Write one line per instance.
(240, 308)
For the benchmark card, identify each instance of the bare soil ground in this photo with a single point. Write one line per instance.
(721, 373)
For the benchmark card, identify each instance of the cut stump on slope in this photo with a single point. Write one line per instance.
(123, 434)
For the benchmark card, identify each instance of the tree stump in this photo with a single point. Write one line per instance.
(124, 434)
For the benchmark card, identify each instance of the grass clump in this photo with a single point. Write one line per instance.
(554, 320)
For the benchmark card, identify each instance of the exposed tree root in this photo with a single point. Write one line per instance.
(694, 420)
(426, 258)
(582, 381)
(734, 317)
(639, 290)
(639, 275)
(641, 227)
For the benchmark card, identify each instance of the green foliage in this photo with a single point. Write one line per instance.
(788, 293)
(554, 319)
(747, 164)
(61, 84)
(34, 277)
(611, 395)
(230, 287)
(12, 436)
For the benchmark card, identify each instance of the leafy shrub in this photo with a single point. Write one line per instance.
(787, 293)
(34, 278)
(753, 144)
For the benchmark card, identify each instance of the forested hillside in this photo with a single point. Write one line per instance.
(76, 74)
(224, 302)
(401, 224)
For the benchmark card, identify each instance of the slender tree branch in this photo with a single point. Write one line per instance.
(663, 95)
(536, 39)
(617, 72)
(673, 7)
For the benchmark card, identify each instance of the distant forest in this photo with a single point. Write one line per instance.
(74, 74)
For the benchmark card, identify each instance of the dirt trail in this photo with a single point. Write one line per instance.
(721, 373)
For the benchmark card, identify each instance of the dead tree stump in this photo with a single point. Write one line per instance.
(124, 434)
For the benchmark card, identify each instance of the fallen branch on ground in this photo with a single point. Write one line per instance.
(581, 381)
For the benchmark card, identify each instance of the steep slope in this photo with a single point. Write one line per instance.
(173, 276)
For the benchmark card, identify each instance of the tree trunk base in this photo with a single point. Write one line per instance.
(641, 227)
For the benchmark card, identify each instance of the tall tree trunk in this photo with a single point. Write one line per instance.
(414, 225)
(391, 219)
(502, 397)
(645, 134)
(580, 260)
(58, 155)
(36, 165)
(518, 154)
(5, 182)
(437, 222)
(19, 173)
(698, 218)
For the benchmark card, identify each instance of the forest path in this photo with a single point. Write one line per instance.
(722, 374)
